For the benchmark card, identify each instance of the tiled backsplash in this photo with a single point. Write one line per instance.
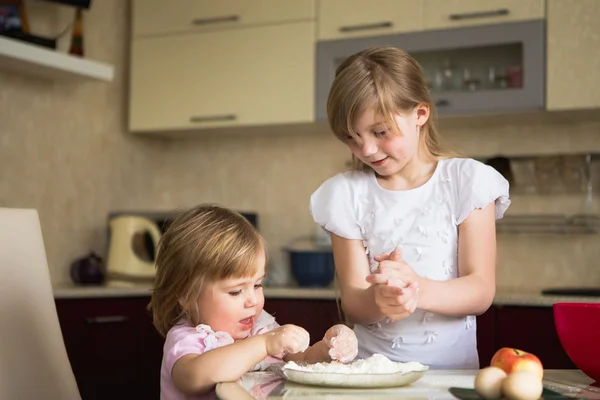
(64, 151)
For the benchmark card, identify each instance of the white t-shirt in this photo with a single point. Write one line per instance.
(424, 222)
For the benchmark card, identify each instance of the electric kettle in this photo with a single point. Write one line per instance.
(125, 260)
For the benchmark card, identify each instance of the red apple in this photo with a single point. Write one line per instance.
(511, 360)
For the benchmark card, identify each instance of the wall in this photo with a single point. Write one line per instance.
(527, 261)
(63, 147)
(64, 151)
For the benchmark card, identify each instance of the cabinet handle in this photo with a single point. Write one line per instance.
(111, 319)
(442, 103)
(215, 20)
(213, 118)
(479, 14)
(377, 25)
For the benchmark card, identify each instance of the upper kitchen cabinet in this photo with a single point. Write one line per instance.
(238, 77)
(496, 68)
(341, 19)
(160, 17)
(444, 14)
(573, 64)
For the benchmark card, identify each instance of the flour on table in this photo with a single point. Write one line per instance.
(376, 364)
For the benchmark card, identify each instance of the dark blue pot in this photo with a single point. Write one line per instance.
(312, 268)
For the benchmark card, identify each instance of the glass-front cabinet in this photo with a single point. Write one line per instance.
(479, 69)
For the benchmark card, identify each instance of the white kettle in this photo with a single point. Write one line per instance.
(123, 262)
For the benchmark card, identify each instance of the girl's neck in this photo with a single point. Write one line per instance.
(414, 174)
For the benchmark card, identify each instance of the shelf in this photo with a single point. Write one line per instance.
(549, 224)
(31, 59)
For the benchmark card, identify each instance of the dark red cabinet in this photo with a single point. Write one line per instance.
(486, 336)
(116, 353)
(114, 350)
(532, 329)
(316, 316)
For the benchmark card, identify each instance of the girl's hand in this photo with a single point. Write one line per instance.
(396, 286)
(396, 302)
(342, 343)
(395, 267)
(286, 339)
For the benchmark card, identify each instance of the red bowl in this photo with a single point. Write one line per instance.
(578, 328)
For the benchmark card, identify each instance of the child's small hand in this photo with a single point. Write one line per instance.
(288, 338)
(342, 343)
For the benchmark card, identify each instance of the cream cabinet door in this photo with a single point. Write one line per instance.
(442, 14)
(157, 17)
(573, 55)
(252, 76)
(340, 19)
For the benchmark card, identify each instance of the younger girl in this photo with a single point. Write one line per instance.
(412, 228)
(208, 301)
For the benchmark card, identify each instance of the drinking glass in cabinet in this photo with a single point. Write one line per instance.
(497, 77)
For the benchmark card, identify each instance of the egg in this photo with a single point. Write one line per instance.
(488, 382)
(522, 385)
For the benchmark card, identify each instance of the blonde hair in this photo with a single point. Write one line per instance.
(205, 244)
(387, 80)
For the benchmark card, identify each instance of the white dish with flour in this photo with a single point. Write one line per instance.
(375, 371)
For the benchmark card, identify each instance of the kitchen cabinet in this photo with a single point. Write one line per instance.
(237, 77)
(470, 70)
(159, 17)
(532, 329)
(114, 350)
(573, 33)
(486, 336)
(444, 14)
(316, 316)
(198, 65)
(116, 353)
(341, 19)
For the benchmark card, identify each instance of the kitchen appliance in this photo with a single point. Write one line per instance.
(133, 238)
(127, 255)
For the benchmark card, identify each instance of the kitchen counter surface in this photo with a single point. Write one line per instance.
(71, 291)
(433, 385)
(503, 296)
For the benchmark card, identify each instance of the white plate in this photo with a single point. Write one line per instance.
(330, 379)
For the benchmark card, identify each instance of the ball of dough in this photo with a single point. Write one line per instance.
(488, 382)
(522, 385)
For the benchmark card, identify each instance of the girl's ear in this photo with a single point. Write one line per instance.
(422, 111)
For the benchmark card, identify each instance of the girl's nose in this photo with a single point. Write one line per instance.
(251, 300)
(368, 148)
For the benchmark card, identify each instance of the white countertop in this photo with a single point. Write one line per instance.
(433, 385)
(71, 291)
(503, 296)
